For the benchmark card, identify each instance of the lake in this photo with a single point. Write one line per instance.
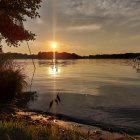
(105, 92)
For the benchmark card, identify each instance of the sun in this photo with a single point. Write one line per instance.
(54, 45)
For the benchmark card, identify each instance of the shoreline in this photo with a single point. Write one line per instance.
(18, 112)
(43, 118)
(102, 126)
(94, 131)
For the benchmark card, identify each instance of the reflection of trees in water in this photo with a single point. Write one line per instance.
(137, 64)
(138, 70)
(44, 63)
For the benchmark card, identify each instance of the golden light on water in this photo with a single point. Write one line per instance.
(54, 71)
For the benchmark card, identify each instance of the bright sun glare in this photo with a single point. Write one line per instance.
(54, 45)
(54, 71)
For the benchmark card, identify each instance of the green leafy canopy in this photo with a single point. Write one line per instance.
(12, 16)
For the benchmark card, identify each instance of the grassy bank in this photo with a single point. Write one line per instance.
(26, 126)
(20, 130)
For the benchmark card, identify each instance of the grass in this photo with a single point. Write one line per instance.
(25, 131)
(12, 79)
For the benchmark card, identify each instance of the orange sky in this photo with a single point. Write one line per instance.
(85, 27)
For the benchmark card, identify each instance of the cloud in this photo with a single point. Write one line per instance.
(84, 28)
(107, 24)
(106, 12)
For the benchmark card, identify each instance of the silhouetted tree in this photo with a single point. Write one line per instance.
(1, 49)
(12, 15)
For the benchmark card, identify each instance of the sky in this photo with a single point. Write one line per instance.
(85, 27)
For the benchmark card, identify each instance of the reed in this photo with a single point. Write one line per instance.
(12, 79)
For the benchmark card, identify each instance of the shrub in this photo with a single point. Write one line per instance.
(12, 80)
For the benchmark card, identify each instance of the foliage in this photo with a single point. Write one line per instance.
(12, 16)
(12, 80)
(28, 131)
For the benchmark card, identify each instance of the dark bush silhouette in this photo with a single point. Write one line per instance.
(13, 14)
(12, 80)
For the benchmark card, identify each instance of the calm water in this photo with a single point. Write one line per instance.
(101, 91)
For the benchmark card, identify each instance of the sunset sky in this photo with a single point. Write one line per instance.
(86, 27)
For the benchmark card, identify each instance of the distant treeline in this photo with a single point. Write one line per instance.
(19, 55)
(65, 55)
(115, 56)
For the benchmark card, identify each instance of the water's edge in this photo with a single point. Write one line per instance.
(103, 126)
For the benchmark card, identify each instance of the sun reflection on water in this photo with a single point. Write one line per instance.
(54, 70)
